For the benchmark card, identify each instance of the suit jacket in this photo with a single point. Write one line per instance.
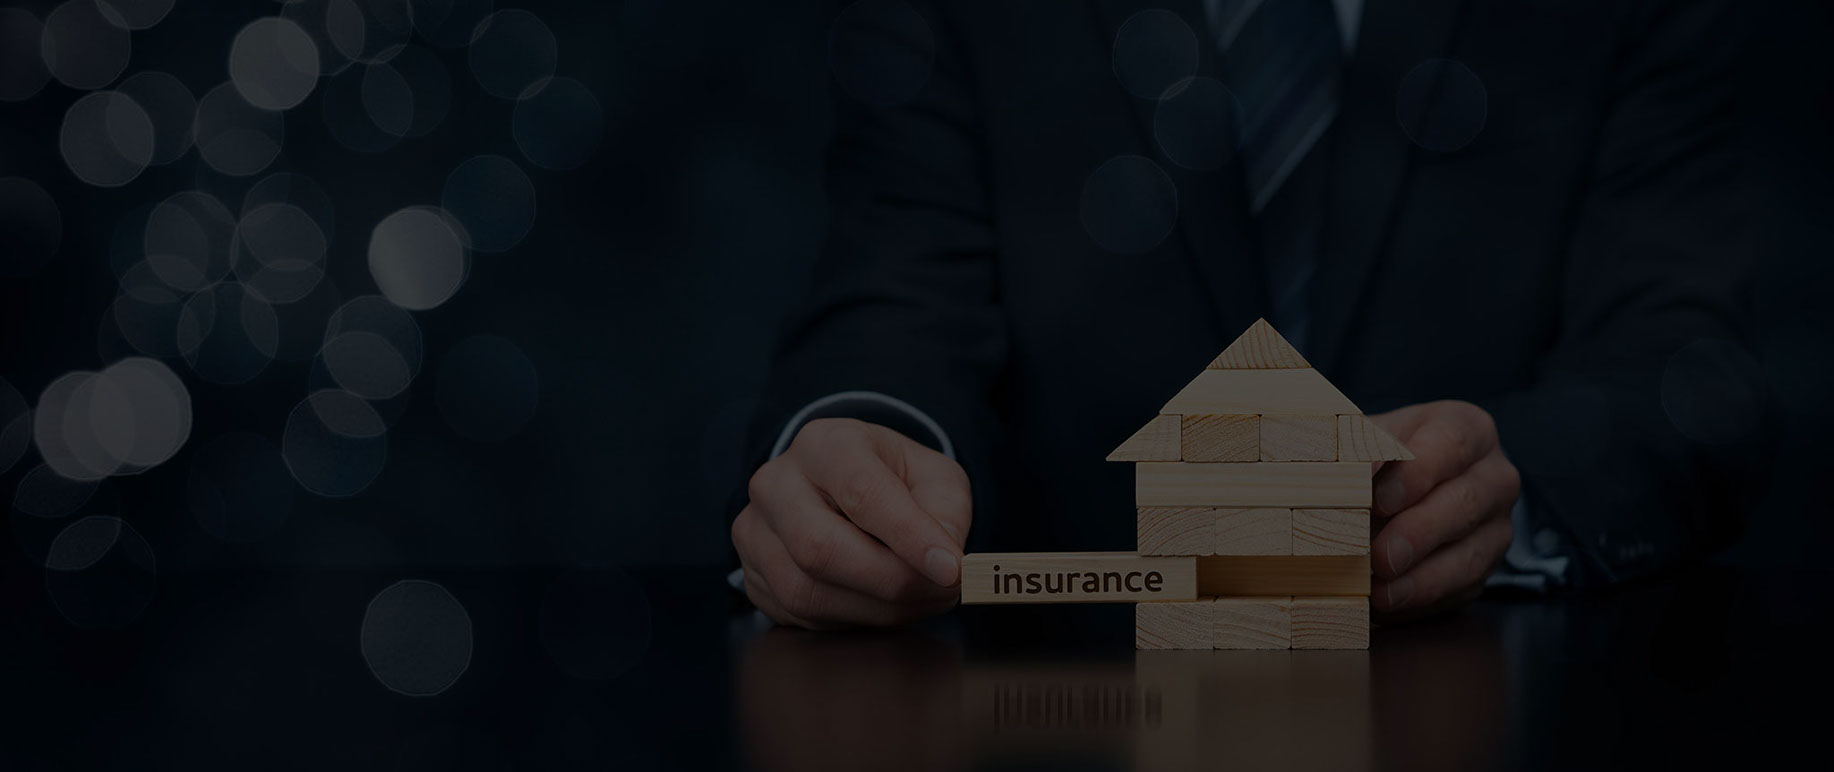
(1548, 270)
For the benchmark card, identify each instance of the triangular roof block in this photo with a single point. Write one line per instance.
(1261, 374)
(1261, 347)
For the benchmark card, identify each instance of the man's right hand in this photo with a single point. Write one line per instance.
(854, 524)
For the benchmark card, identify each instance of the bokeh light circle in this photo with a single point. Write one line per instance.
(1128, 205)
(512, 51)
(375, 314)
(416, 638)
(280, 252)
(299, 190)
(408, 95)
(559, 126)
(1155, 52)
(337, 27)
(239, 488)
(189, 240)
(1442, 105)
(334, 444)
(106, 139)
(1197, 128)
(81, 47)
(881, 52)
(171, 108)
(31, 227)
(22, 66)
(135, 14)
(100, 573)
(273, 63)
(366, 364)
(227, 333)
(44, 493)
(493, 198)
(418, 257)
(487, 389)
(235, 137)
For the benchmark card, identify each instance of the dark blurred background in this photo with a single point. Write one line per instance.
(487, 285)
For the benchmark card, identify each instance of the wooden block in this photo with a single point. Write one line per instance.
(1158, 440)
(1076, 577)
(1212, 437)
(1260, 347)
(1255, 531)
(1330, 532)
(1308, 575)
(1264, 484)
(1260, 391)
(1359, 439)
(1253, 623)
(1330, 623)
(1176, 625)
(1298, 438)
(1174, 530)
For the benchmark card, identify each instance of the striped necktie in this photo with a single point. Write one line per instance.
(1282, 60)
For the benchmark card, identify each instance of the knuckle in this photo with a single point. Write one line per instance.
(766, 483)
(815, 554)
(860, 492)
(802, 597)
(824, 434)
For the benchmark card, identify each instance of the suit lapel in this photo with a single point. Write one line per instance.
(1370, 159)
(1221, 239)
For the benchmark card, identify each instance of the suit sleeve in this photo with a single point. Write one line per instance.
(904, 299)
(1617, 440)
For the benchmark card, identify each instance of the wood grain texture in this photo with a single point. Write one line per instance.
(1253, 623)
(1075, 577)
(1260, 391)
(1330, 623)
(1359, 439)
(1309, 575)
(1175, 625)
(1211, 437)
(1174, 530)
(1298, 438)
(1158, 440)
(1259, 347)
(1252, 531)
(1264, 484)
(1330, 532)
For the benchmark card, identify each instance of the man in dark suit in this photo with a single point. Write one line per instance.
(1497, 221)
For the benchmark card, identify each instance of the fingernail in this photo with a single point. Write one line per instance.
(941, 566)
(1400, 555)
(1391, 494)
(1399, 591)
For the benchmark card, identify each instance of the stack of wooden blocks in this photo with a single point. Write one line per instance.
(1252, 490)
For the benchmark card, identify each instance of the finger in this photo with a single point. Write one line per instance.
(940, 487)
(812, 603)
(1449, 512)
(1443, 447)
(1449, 572)
(864, 489)
(829, 547)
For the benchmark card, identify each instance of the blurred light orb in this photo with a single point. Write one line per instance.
(1155, 54)
(227, 333)
(135, 14)
(146, 311)
(31, 227)
(488, 389)
(493, 198)
(343, 107)
(239, 488)
(53, 427)
(447, 23)
(416, 638)
(298, 190)
(106, 139)
(189, 240)
(100, 573)
(1441, 105)
(881, 52)
(273, 63)
(337, 27)
(81, 47)
(22, 65)
(44, 493)
(366, 364)
(13, 438)
(375, 314)
(171, 108)
(1712, 391)
(1129, 205)
(512, 51)
(280, 252)
(235, 137)
(1197, 127)
(334, 444)
(418, 257)
(595, 623)
(132, 416)
(408, 95)
(559, 126)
